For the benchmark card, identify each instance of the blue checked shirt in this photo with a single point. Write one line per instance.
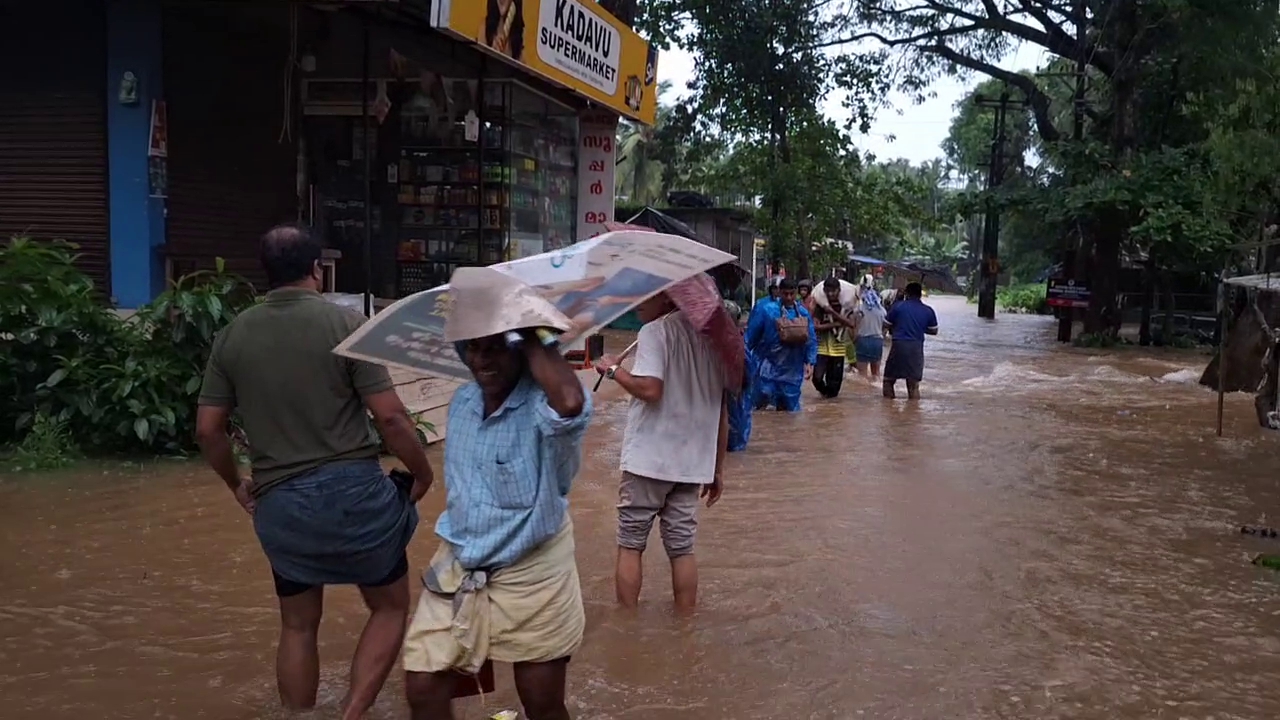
(507, 477)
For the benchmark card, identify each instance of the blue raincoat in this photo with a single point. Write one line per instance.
(741, 405)
(781, 366)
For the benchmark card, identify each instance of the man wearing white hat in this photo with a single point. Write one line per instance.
(504, 584)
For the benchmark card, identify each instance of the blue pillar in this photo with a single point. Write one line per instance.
(137, 219)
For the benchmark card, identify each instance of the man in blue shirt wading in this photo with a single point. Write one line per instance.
(909, 320)
(503, 584)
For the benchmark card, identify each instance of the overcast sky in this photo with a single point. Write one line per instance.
(919, 129)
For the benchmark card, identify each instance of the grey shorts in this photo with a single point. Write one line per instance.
(641, 499)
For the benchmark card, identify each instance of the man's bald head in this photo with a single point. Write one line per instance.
(291, 256)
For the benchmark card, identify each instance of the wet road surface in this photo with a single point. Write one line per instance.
(1050, 533)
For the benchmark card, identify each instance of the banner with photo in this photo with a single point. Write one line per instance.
(593, 283)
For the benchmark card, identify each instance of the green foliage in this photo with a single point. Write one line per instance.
(47, 446)
(1026, 298)
(968, 142)
(1178, 158)
(753, 120)
(1101, 340)
(116, 385)
(185, 318)
(424, 428)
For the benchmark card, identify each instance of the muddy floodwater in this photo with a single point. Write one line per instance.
(1050, 533)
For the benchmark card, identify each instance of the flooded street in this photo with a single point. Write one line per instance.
(1050, 533)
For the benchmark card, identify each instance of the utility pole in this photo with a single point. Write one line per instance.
(990, 269)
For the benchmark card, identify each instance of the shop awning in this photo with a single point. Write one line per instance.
(664, 223)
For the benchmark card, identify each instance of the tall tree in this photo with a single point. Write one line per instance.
(968, 142)
(761, 74)
(643, 153)
(1142, 55)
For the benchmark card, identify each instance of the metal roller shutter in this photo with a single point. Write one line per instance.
(53, 147)
(230, 177)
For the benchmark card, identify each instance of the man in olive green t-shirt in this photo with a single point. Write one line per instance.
(323, 510)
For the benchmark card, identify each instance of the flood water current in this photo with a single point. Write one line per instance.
(1050, 533)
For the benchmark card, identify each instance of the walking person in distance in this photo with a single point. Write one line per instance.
(908, 320)
(782, 339)
(832, 329)
(868, 345)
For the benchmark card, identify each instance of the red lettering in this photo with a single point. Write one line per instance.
(598, 142)
(596, 166)
(597, 188)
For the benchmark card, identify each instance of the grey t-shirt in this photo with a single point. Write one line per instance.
(872, 322)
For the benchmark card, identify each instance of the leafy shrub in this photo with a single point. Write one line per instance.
(1099, 340)
(75, 375)
(1028, 298)
(114, 384)
(48, 446)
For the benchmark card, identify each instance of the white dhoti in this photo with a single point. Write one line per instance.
(527, 612)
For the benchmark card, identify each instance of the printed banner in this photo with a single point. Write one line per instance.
(593, 283)
(597, 164)
(575, 43)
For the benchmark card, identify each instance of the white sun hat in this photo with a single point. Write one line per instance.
(484, 301)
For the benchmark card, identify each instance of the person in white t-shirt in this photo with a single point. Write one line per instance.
(673, 448)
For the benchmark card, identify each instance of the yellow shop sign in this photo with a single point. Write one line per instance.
(574, 43)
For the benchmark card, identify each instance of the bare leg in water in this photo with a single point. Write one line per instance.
(541, 687)
(379, 645)
(684, 583)
(298, 654)
(628, 576)
(430, 695)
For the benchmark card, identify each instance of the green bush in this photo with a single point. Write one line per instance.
(115, 385)
(1099, 340)
(1027, 298)
(48, 446)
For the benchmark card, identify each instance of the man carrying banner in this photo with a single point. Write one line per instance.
(503, 584)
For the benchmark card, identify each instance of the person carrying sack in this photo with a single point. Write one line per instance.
(786, 355)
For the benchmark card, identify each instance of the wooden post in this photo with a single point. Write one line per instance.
(367, 129)
(1222, 346)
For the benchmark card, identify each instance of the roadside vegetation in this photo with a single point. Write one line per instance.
(78, 380)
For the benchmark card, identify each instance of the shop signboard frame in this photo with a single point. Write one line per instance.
(573, 43)
(1066, 294)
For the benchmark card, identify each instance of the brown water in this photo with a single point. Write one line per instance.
(1050, 533)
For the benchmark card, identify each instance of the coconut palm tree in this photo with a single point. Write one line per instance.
(638, 177)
